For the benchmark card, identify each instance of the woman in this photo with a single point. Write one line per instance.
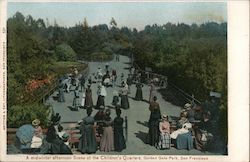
(107, 140)
(164, 139)
(87, 142)
(152, 92)
(38, 134)
(101, 92)
(155, 116)
(61, 90)
(183, 120)
(88, 97)
(76, 100)
(124, 97)
(115, 98)
(119, 141)
(138, 95)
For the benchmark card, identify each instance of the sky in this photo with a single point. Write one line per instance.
(130, 14)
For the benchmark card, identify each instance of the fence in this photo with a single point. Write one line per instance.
(46, 93)
(187, 97)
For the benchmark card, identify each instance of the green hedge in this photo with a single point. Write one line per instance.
(25, 114)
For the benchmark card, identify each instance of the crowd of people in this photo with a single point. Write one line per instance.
(101, 132)
(191, 130)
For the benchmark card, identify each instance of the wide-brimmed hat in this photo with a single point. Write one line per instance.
(36, 122)
(164, 117)
(187, 105)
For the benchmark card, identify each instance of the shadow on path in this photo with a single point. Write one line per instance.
(145, 123)
(142, 136)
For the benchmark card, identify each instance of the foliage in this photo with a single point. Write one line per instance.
(20, 115)
(65, 53)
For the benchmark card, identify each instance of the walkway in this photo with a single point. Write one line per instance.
(137, 115)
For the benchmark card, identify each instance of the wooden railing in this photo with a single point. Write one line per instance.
(188, 98)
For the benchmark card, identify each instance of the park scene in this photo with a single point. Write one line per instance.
(117, 78)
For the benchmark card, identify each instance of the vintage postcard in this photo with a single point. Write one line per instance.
(124, 81)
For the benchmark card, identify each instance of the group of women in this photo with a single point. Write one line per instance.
(101, 132)
(190, 131)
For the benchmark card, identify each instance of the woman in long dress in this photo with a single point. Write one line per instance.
(76, 100)
(164, 138)
(107, 140)
(152, 92)
(153, 123)
(101, 92)
(119, 141)
(138, 94)
(87, 142)
(115, 98)
(124, 97)
(61, 92)
(88, 97)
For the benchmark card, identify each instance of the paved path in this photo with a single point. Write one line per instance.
(137, 115)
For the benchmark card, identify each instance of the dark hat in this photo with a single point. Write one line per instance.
(65, 136)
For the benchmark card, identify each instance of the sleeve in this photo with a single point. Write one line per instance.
(160, 127)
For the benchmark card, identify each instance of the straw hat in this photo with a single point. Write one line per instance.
(36, 122)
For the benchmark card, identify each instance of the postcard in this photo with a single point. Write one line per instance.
(124, 80)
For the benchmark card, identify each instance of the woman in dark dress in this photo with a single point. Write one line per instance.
(88, 98)
(115, 98)
(101, 92)
(87, 142)
(119, 141)
(138, 95)
(61, 91)
(155, 116)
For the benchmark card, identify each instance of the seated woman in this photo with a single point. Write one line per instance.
(38, 134)
(183, 120)
(164, 127)
(107, 140)
(184, 141)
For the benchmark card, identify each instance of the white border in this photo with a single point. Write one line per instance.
(238, 84)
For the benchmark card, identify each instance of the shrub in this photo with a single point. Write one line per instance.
(65, 53)
(19, 115)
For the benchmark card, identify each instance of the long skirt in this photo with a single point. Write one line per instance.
(138, 95)
(88, 100)
(61, 95)
(76, 103)
(119, 141)
(164, 141)
(153, 133)
(115, 100)
(124, 102)
(87, 143)
(100, 101)
(107, 140)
